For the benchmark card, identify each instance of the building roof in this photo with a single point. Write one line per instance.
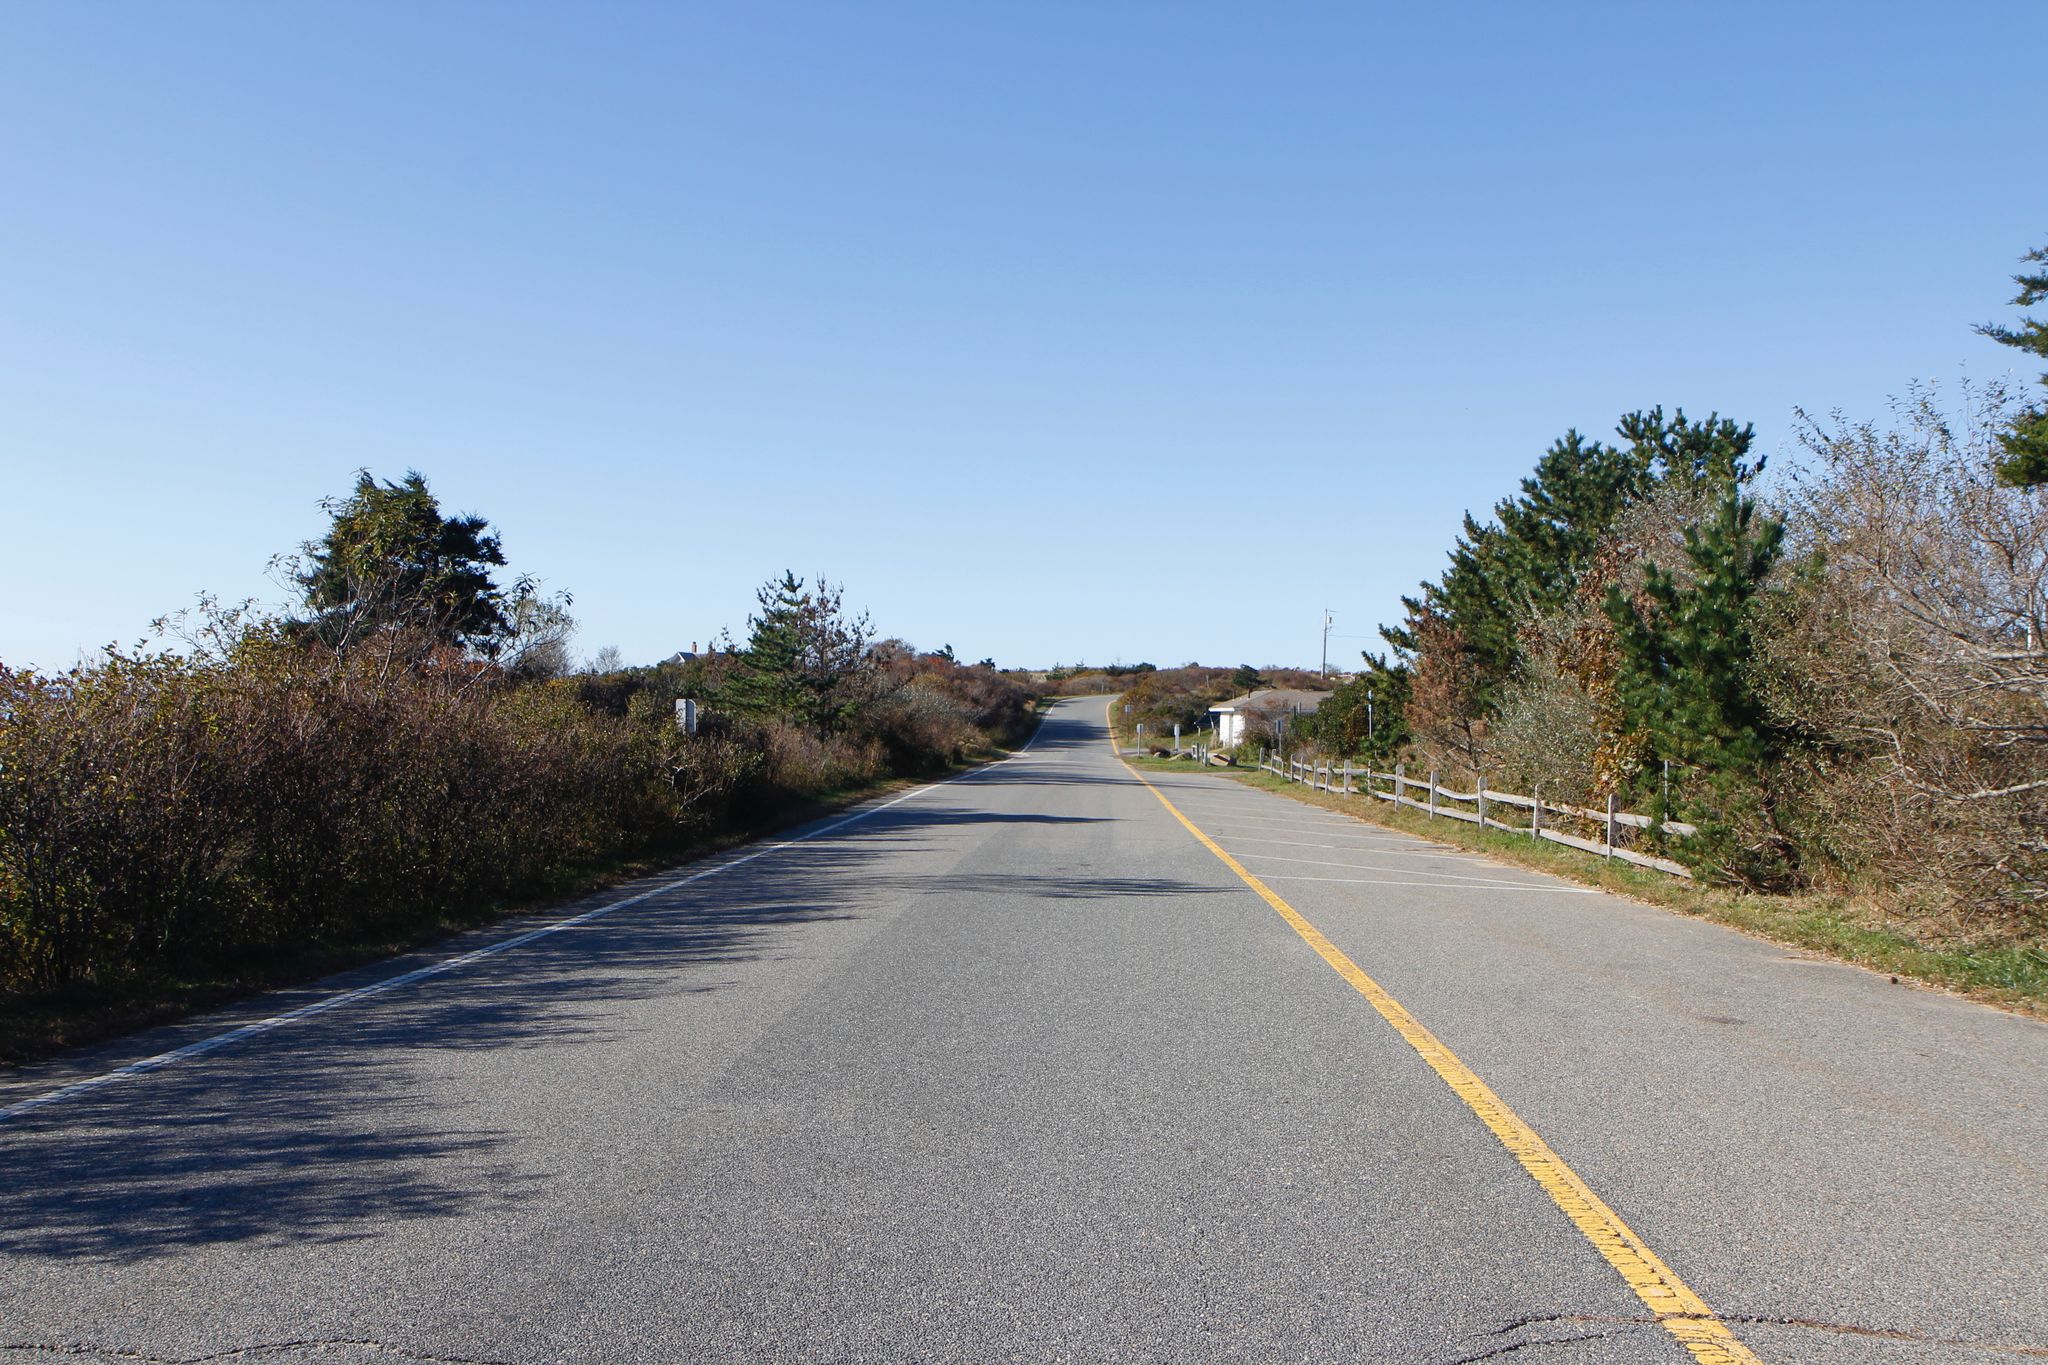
(1273, 701)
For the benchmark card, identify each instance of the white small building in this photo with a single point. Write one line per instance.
(1269, 704)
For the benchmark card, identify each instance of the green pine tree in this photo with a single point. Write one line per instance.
(1366, 716)
(1687, 682)
(391, 559)
(803, 659)
(2026, 445)
(1713, 455)
(1532, 557)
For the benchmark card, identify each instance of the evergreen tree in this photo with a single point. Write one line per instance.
(1711, 455)
(1541, 543)
(391, 559)
(804, 659)
(1366, 715)
(2026, 445)
(1686, 680)
(1577, 491)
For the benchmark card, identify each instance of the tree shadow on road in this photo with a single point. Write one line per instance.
(334, 1129)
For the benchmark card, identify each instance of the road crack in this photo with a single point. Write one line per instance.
(1845, 1329)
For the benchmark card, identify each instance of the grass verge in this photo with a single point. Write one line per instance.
(2014, 976)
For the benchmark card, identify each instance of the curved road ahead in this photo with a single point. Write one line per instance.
(1021, 1068)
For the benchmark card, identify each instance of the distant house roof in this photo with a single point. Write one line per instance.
(1273, 701)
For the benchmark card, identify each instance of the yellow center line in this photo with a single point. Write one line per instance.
(1682, 1313)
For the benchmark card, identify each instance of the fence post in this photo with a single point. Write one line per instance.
(1432, 793)
(1400, 782)
(1610, 824)
(1479, 783)
(1347, 777)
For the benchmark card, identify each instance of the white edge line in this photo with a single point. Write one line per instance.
(1457, 879)
(1441, 886)
(1240, 817)
(1425, 850)
(1346, 829)
(392, 983)
(1465, 858)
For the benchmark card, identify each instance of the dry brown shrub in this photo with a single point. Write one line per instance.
(1443, 707)
(1917, 649)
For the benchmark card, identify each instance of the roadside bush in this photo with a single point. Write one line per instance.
(157, 809)
(113, 839)
(280, 783)
(1911, 650)
(798, 761)
(921, 726)
(1256, 735)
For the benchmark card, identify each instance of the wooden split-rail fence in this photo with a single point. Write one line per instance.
(1483, 806)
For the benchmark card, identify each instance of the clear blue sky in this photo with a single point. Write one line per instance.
(1054, 330)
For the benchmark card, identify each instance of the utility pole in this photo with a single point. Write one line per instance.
(1327, 618)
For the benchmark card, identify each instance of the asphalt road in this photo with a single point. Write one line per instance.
(1017, 1068)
